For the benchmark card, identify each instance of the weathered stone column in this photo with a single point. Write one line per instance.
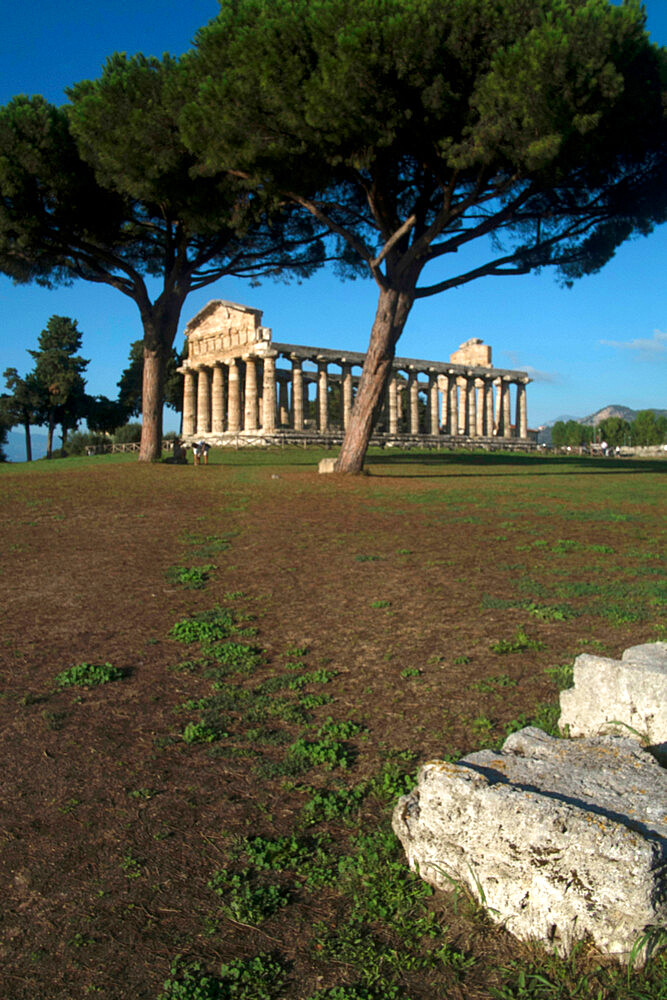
(269, 395)
(488, 407)
(498, 418)
(203, 401)
(297, 394)
(453, 405)
(479, 393)
(218, 401)
(413, 390)
(346, 393)
(233, 397)
(393, 407)
(507, 411)
(521, 411)
(434, 403)
(189, 403)
(463, 405)
(471, 420)
(250, 422)
(400, 391)
(322, 398)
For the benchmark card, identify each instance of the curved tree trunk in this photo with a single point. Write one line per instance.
(390, 318)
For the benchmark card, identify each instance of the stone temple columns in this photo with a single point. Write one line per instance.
(218, 401)
(238, 385)
(203, 402)
(233, 398)
(189, 412)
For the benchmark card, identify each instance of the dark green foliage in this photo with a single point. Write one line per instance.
(414, 129)
(20, 405)
(571, 433)
(57, 380)
(103, 190)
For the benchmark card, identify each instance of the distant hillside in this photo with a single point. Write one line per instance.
(613, 410)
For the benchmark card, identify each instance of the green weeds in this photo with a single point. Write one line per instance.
(261, 977)
(519, 644)
(191, 577)
(88, 675)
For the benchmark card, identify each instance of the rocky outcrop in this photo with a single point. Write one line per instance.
(627, 696)
(561, 840)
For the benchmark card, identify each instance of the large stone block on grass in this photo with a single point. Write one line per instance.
(627, 695)
(559, 839)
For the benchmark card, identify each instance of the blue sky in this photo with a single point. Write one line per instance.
(603, 341)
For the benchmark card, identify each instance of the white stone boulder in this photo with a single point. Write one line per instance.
(326, 466)
(628, 696)
(559, 839)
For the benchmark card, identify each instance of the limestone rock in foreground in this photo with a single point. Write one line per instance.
(631, 691)
(560, 839)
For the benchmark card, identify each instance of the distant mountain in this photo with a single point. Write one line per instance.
(15, 447)
(613, 410)
(624, 412)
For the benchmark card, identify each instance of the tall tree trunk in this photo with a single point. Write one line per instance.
(390, 318)
(160, 322)
(28, 442)
(150, 449)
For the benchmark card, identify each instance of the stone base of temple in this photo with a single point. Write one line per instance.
(331, 439)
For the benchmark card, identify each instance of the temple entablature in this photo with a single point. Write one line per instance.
(239, 381)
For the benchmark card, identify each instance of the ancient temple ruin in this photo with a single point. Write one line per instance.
(241, 386)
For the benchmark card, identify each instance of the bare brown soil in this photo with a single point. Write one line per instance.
(397, 583)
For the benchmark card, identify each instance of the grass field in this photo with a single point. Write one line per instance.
(217, 681)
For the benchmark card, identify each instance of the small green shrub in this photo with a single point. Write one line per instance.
(205, 627)
(380, 604)
(246, 899)
(237, 657)
(88, 675)
(192, 577)
(518, 644)
(202, 732)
